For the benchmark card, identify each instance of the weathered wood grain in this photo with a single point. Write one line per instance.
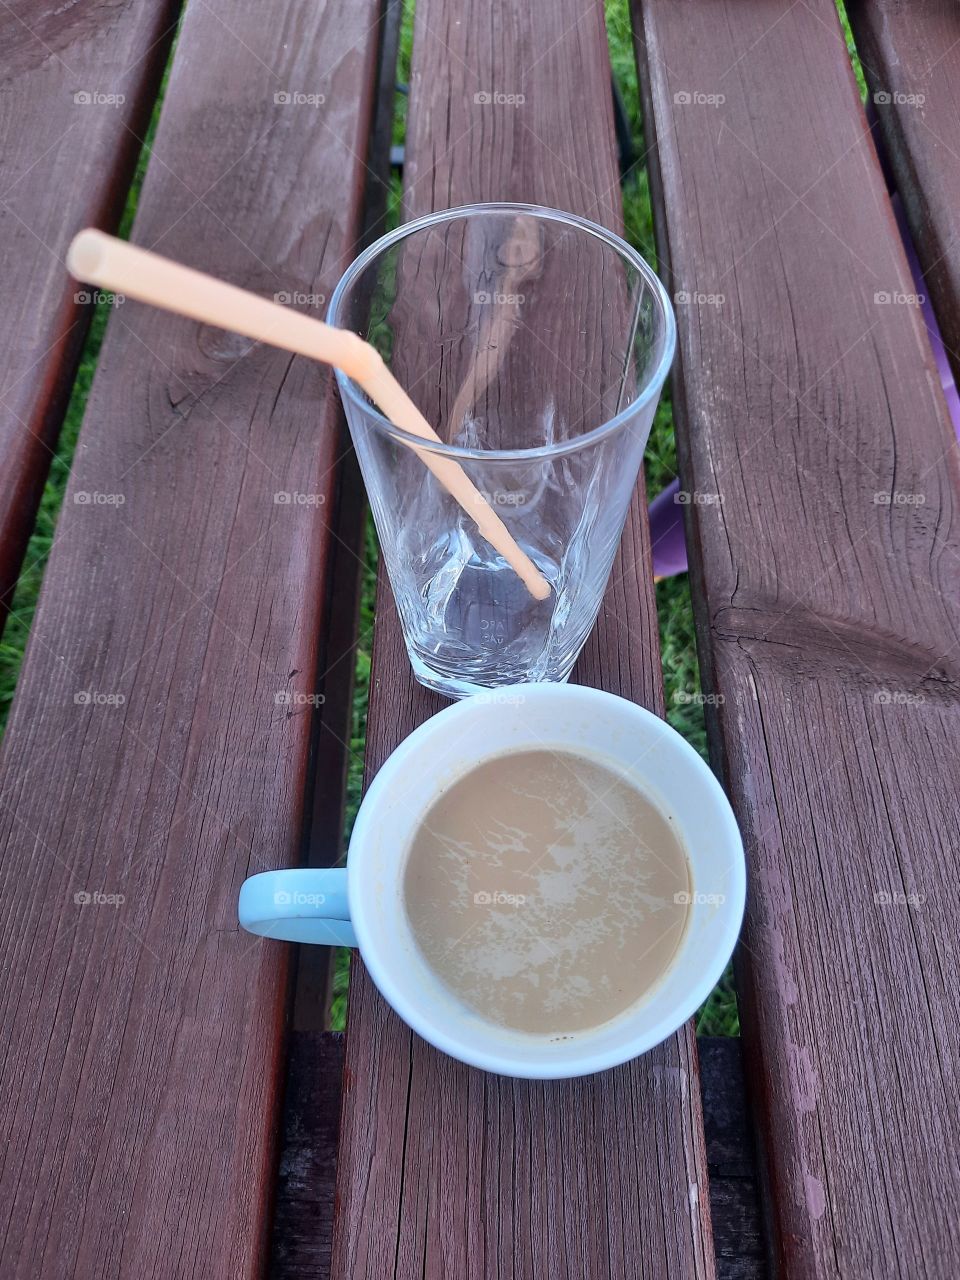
(734, 1191)
(911, 59)
(77, 84)
(304, 1214)
(150, 756)
(825, 553)
(303, 1222)
(446, 1171)
(331, 751)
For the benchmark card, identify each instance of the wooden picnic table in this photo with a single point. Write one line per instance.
(171, 1103)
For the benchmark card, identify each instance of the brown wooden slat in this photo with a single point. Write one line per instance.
(443, 1170)
(304, 1213)
(330, 755)
(828, 619)
(911, 60)
(64, 164)
(142, 1041)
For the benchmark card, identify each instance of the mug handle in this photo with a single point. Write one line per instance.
(306, 904)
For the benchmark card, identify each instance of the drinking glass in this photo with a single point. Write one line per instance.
(536, 344)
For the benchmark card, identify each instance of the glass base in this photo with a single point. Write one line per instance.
(452, 687)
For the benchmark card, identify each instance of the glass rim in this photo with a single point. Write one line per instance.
(652, 383)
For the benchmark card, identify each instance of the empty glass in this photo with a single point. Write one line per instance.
(536, 344)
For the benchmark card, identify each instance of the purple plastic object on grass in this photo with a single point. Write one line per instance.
(666, 533)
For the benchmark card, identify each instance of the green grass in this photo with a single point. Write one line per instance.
(852, 49)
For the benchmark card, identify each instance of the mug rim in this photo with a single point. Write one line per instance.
(498, 1058)
(653, 382)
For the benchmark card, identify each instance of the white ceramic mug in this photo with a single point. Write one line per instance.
(362, 905)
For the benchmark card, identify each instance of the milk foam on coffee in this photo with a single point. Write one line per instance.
(547, 891)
